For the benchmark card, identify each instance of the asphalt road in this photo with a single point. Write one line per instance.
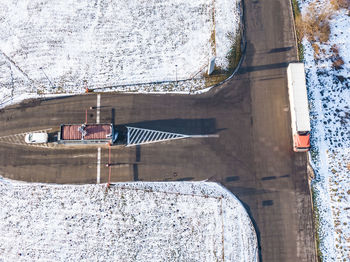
(252, 155)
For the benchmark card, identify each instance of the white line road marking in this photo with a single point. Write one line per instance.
(98, 108)
(98, 165)
(200, 136)
(84, 155)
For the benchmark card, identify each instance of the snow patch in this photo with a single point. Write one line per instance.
(329, 96)
(180, 221)
(66, 46)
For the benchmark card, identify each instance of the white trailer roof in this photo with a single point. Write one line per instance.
(298, 96)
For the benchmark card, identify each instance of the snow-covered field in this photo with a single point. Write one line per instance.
(65, 46)
(328, 81)
(180, 221)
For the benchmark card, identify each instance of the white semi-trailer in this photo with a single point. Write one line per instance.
(299, 107)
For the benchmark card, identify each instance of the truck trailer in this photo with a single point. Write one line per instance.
(87, 134)
(299, 109)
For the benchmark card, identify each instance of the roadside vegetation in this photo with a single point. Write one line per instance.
(233, 57)
(235, 53)
(297, 18)
(314, 26)
(316, 217)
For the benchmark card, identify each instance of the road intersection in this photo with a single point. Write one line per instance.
(250, 154)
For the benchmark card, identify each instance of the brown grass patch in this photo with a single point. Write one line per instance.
(314, 25)
(338, 62)
(317, 50)
(337, 4)
(335, 50)
(299, 25)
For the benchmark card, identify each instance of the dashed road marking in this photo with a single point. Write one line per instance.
(98, 108)
(83, 155)
(98, 165)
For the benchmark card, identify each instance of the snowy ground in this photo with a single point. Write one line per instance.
(179, 221)
(74, 44)
(329, 93)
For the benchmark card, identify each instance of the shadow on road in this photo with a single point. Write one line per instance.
(281, 49)
(249, 69)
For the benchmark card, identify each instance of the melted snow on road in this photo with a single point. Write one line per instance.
(179, 221)
(328, 82)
